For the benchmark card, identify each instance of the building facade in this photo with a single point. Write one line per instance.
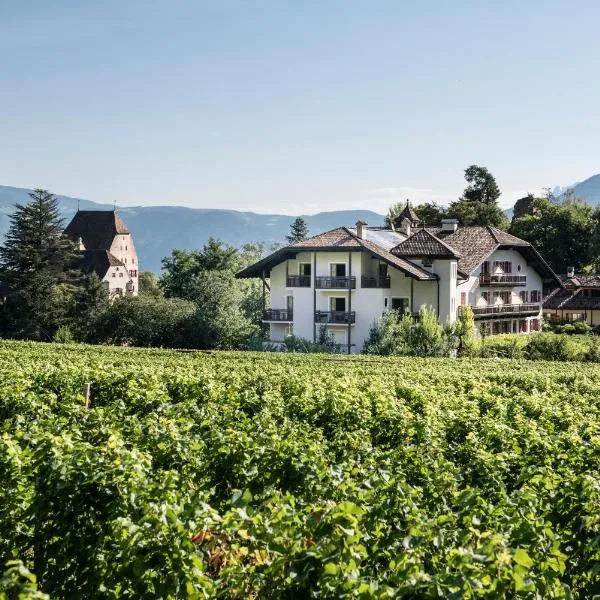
(346, 278)
(108, 249)
(579, 300)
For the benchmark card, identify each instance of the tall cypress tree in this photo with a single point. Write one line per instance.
(38, 264)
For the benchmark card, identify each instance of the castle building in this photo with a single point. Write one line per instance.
(108, 249)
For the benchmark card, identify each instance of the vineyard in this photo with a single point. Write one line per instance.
(241, 475)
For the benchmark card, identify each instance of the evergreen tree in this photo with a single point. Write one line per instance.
(298, 231)
(479, 203)
(37, 263)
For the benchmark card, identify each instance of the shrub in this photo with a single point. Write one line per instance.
(63, 335)
(548, 346)
(592, 354)
(405, 336)
(325, 343)
(509, 347)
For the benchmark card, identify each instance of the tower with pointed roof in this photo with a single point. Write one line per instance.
(408, 217)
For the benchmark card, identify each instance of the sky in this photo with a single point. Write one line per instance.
(296, 107)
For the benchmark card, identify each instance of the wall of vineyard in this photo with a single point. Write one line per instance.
(240, 475)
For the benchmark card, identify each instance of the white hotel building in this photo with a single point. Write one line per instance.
(348, 277)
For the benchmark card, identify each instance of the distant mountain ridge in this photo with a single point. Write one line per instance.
(157, 230)
(589, 189)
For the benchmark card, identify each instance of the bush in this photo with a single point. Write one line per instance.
(501, 347)
(592, 354)
(548, 346)
(404, 336)
(325, 343)
(63, 335)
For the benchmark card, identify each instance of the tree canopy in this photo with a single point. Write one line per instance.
(38, 264)
(298, 231)
(478, 204)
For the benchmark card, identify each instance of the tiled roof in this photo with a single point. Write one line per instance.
(424, 243)
(582, 280)
(506, 238)
(569, 299)
(339, 238)
(335, 238)
(474, 244)
(99, 261)
(398, 262)
(96, 228)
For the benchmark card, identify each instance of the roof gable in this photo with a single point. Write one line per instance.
(424, 243)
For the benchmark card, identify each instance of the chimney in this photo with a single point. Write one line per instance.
(405, 227)
(449, 225)
(361, 230)
(570, 272)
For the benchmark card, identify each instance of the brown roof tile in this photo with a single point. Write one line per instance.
(99, 261)
(96, 228)
(339, 237)
(424, 243)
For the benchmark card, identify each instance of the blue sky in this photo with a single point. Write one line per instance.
(296, 107)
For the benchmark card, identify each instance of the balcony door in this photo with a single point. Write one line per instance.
(337, 304)
(289, 303)
(337, 270)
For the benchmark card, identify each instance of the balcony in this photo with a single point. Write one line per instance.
(505, 310)
(502, 279)
(375, 281)
(337, 316)
(298, 281)
(336, 283)
(278, 314)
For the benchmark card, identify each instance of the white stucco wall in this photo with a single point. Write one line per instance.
(123, 248)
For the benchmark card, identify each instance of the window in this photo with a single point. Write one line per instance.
(427, 262)
(289, 302)
(535, 296)
(337, 269)
(485, 267)
(496, 296)
(505, 297)
(120, 274)
(524, 296)
(463, 298)
(114, 274)
(486, 296)
(400, 305)
(523, 326)
(305, 269)
(337, 304)
(504, 265)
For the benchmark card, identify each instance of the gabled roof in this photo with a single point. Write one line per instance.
(339, 239)
(99, 261)
(424, 243)
(476, 243)
(96, 228)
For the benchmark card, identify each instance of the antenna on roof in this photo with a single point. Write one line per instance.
(78, 201)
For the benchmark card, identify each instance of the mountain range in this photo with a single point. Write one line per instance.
(157, 230)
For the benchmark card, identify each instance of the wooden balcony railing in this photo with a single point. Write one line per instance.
(505, 310)
(502, 279)
(298, 280)
(336, 316)
(336, 283)
(278, 314)
(375, 281)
